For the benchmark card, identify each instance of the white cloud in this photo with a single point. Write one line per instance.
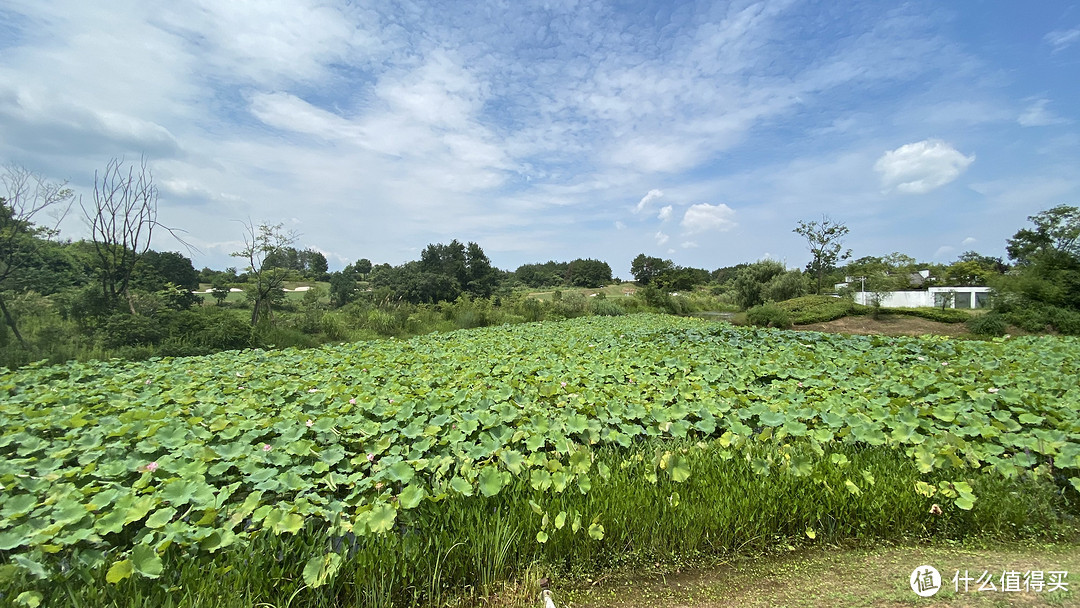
(922, 166)
(689, 245)
(1062, 39)
(969, 241)
(1036, 115)
(704, 217)
(665, 213)
(943, 251)
(651, 196)
(620, 226)
(661, 238)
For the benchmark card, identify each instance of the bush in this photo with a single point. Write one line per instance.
(819, 309)
(569, 305)
(990, 324)
(603, 307)
(531, 309)
(123, 329)
(769, 315)
(1065, 320)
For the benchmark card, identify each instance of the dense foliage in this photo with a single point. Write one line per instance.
(111, 464)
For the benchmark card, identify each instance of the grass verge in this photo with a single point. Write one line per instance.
(738, 500)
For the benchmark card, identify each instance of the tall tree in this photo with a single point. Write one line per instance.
(825, 240)
(1047, 259)
(122, 220)
(481, 275)
(646, 268)
(27, 196)
(262, 243)
(588, 273)
(1055, 238)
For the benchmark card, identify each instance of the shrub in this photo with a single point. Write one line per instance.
(569, 305)
(769, 315)
(123, 329)
(1064, 320)
(990, 324)
(819, 309)
(603, 307)
(531, 309)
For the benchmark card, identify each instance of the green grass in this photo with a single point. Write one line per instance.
(471, 548)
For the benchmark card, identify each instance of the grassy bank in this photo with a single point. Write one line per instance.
(468, 548)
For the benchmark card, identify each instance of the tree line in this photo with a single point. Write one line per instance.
(112, 295)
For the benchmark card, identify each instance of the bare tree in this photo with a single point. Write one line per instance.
(260, 244)
(122, 221)
(27, 195)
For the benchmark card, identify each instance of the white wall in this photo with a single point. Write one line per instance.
(916, 299)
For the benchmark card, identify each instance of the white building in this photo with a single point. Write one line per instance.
(951, 297)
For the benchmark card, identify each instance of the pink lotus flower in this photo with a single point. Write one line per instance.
(352, 401)
(310, 423)
(371, 457)
(391, 401)
(800, 385)
(312, 390)
(152, 466)
(266, 447)
(564, 385)
(992, 390)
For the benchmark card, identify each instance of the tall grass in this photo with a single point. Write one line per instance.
(470, 548)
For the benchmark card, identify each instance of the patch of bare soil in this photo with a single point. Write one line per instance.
(888, 325)
(869, 578)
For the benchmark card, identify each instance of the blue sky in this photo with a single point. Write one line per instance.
(699, 132)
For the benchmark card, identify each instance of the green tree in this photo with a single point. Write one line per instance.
(316, 265)
(825, 240)
(481, 276)
(267, 281)
(447, 260)
(752, 282)
(588, 273)
(27, 197)
(1047, 260)
(646, 268)
(220, 291)
(1055, 238)
(343, 286)
(155, 269)
(548, 274)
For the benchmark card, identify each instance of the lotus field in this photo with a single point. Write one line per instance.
(114, 475)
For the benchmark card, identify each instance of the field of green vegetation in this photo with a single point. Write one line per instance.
(448, 465)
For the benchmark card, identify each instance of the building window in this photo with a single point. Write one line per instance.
(963, 299)
(982, 299)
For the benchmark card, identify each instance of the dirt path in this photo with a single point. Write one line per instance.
(890, 325)
(840, 577)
